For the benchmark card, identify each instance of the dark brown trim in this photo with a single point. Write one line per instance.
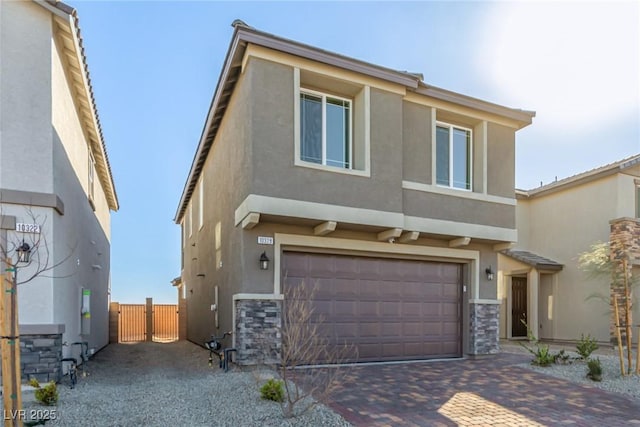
(31, 198)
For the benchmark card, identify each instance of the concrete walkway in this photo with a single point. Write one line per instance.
(487, 391)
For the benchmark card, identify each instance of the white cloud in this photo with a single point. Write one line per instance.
(575, 63)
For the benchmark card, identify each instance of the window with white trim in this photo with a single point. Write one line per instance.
(325, 129)
(453, 156)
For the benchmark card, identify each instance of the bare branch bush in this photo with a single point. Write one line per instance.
(309, 364)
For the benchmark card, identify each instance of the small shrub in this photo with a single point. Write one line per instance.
(272, 390)
(586, 346)
(562, 358)
(595, 369)
(542, 356)
(47, 395)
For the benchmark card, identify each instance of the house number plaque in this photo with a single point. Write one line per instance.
(28, 228)
(263, 240)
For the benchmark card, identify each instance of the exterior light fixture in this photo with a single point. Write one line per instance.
(264, 261)
(489, 273)
(24, 252)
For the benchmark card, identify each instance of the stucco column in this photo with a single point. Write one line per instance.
(533, 285)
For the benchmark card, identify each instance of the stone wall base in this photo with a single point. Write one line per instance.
(258, 336)
(484, 319)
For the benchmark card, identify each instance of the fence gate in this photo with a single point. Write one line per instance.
(132, 323)
(145, 322)
(165, 322)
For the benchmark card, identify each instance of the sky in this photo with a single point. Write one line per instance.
(154, 67)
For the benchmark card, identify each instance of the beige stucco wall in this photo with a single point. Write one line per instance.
(69, 130)
(25, 85)
(227, 175)
(253, 154)
(43, 149)
(501, 160)
(274, 172)
(560, 226)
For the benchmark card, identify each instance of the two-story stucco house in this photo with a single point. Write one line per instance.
(540, 279)
(393, 196)
(55, 173)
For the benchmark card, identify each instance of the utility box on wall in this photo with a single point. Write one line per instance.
(85, 312)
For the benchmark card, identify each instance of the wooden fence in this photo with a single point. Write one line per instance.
(144, 322)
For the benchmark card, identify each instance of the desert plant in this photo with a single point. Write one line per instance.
(542, 356)
(562, 358)
(47, 395)
(611, 261)
(586, 346)
(594, 369)
(272, 390)
(304, 345)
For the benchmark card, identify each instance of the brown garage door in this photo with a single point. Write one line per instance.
(388, 309)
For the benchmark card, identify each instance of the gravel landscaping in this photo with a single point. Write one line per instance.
(577, 371)
(153, 384)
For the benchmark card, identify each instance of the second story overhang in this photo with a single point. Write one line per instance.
(248, 41)
(399, 227)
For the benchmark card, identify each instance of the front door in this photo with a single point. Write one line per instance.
(518, 307)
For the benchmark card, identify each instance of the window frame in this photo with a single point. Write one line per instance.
(324, 95)
(451, 127)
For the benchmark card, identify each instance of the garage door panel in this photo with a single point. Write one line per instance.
(369, 308)
(411, 309)
(432, 308)
(346, 267)
(391, 329)
(412, 329)
(369, 329)
(387, 309)
(413, 290)
(390, 309)
(450, 309)
(450, 328)
(433, 329)
(345, 308)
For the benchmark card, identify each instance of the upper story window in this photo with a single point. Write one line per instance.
(331, 123)
(325, 129)
(453, 156)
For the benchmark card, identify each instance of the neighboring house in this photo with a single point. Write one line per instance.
(54, 171)
(540, 280)
(392, 195)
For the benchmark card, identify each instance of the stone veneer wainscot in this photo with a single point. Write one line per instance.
(484, 324)
(258, 336)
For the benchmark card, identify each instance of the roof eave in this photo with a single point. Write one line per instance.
(66, 16)
(523, 118)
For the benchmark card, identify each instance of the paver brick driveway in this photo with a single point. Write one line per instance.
(488, 391)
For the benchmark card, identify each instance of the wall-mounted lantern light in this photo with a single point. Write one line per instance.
(489, 273)
(24, 252)
(264, 261)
